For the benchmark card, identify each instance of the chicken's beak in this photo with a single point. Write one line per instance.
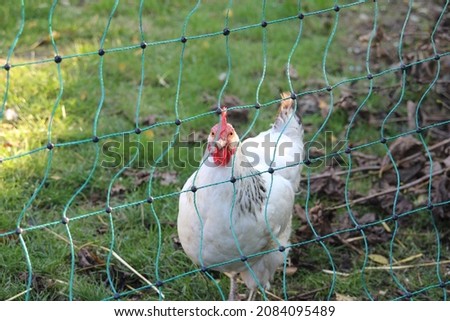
(221, 143)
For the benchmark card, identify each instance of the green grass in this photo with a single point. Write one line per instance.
(33, 92)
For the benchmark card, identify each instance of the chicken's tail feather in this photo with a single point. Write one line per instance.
(287, 119)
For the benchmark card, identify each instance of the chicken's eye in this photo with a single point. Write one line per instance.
(230, 134)
(212, 134)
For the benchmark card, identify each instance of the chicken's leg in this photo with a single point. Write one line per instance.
(232, 296)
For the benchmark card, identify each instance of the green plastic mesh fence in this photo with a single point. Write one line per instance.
(343, 246)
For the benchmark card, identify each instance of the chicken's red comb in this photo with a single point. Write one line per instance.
(223, 118)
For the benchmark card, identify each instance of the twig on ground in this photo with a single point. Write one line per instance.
(121, 260)
(358, 169)
(408, 259)
(306, 295)
(273, 296)
(96, 266)
(413, 156)
(404, 267)
(19, 295)
(336, 272)
(60, 237)
(388, 191)
(347, 243)
(366, 156)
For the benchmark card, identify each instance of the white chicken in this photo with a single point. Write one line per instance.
(240, 201)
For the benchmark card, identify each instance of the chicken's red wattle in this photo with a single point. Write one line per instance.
(222, 156)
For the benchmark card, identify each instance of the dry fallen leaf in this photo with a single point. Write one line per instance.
(441, 186)
(319, 218)
(380, 259)
(290, 270)
(46, 40)
(400, 150)
(176, 243)
(411, 110)
(346, 101)
(409, 259)
(403, 203)
(300, 213)
(386, 227)
(323, 106)
(118, 189)
(331, 186)
(308, 104)
(88, 258)
(167, 178)
(149, 120)
(140, 176)
(343, 297)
